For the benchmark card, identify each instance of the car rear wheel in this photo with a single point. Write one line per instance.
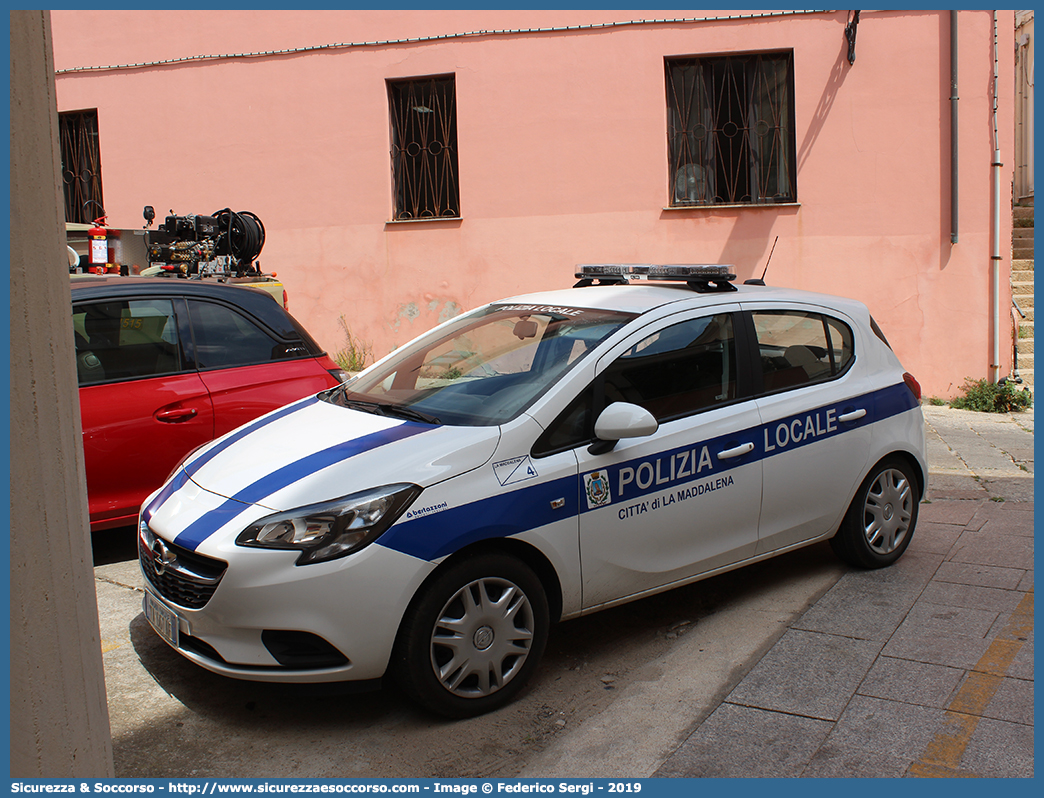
(880, 521)
(472, 640)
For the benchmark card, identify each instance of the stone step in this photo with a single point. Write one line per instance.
(1022, 213)
(1022, 245)
(1025, 347)
(1022, 288)
(1025, 361)
(1022, 265)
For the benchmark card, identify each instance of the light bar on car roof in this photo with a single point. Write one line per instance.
(648, 271)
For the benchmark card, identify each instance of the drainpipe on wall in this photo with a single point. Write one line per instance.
(995, 256)
(1027, 114)
(953, 127)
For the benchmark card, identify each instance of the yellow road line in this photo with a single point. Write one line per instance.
(942, 758)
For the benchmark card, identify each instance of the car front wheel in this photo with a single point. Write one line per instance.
(474, 637)
(880, 521)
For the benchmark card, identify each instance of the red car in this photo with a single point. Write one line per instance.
(165, 365)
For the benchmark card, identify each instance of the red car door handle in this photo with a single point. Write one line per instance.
(176, 415)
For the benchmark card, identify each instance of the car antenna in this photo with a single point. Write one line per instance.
(761, 280)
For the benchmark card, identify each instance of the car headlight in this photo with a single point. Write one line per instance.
(332, 529)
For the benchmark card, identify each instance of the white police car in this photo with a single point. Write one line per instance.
(536, 459)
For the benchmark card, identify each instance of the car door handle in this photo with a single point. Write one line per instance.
(177, 414)
(855, 415)
(743, 448)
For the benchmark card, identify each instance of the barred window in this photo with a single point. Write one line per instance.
(730, 132)
(424, 147)
(81, 165)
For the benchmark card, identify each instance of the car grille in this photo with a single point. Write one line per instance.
(180, 576)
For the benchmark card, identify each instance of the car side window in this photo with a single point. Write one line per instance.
(676, 371)
(798, 348)
(225, 338)
(841, 348)
(125, 339)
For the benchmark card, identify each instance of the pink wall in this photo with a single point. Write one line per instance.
(563, 158)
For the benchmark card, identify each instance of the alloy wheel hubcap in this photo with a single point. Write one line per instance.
(887, 511)
(482, 637)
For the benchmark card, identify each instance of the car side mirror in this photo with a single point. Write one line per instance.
(621, 420)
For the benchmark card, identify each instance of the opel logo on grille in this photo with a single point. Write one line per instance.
(162, 557)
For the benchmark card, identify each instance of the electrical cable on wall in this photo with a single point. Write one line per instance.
(443, 37)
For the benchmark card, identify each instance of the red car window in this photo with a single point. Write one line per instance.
(225, 338)
(125, 339)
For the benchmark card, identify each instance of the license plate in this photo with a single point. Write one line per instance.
(161, 619)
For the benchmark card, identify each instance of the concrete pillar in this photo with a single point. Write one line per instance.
(59, 718)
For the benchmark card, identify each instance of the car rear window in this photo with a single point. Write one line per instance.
(798, 348)
(225, 338)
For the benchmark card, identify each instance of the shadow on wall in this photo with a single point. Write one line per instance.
(838, 73)
(750, 236)
(751, 241)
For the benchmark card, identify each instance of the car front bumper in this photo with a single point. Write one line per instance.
(265, 605)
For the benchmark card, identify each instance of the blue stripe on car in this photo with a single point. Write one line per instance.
(193, 465)
(205, 526)
(176, 483)
(698, 461)
(501, 516)
(433, 536)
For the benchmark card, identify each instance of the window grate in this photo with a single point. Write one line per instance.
(730, 131)
(81, 166)
(424, 148)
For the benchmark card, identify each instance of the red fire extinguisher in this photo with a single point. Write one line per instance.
(99, 255)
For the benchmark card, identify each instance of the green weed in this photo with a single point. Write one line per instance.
(355, 353)
(986, 397)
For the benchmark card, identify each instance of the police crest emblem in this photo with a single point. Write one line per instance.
(596, 485)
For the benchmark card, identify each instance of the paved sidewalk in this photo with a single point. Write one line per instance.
(924, 669)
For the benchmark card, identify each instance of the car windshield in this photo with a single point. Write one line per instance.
(482, 369)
